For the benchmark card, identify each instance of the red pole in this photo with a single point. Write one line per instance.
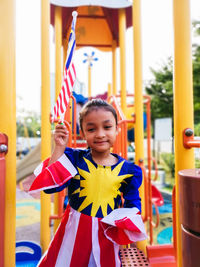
(3, 151)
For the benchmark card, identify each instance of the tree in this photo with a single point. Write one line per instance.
(161, 91)
(161, 88)
(196, 74)
(29, 125)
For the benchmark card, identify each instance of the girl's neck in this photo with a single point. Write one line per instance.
(104, 158)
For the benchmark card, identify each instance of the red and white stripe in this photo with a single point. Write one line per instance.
(124, 226)
(54, 175)
(62, 102)
(80, 241)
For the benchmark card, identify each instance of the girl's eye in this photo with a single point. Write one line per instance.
(90, 130)
(108, 127)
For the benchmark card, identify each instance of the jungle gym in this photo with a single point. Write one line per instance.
(111, 19)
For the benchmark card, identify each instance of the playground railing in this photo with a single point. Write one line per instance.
(165, 255)
(3, 151)
(145, 179)
(120, 146)
(147, 103)
(188, 139)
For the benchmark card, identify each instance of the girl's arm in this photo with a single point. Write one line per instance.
(54, 173)
(130, 189)
(61, 137)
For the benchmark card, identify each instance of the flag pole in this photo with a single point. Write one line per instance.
(69, 77)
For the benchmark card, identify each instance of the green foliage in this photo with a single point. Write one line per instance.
(196, 83)
(29, 125)
(197, 163)
(196, 74)
(196, 27)
(197, 129)
(161, 92)
(169, 163)
(161, 88)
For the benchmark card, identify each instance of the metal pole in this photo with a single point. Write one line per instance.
(8, 123)
(89, 81)
(3, 152)
(114, 68)
(110, 93)
(45, 113)
(183, 98)
(122, 29)
(139, 128)
(58, 81)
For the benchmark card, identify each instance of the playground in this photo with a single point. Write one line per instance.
(171, 183)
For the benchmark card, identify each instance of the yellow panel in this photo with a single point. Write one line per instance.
(92, 29)
(87, 29)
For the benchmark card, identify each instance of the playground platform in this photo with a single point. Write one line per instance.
(27, 217)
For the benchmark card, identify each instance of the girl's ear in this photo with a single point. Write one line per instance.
(117, 129)
(82, 134)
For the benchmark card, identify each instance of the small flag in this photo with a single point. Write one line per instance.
(69, 76)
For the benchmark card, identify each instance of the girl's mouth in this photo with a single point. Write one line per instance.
(100, 142)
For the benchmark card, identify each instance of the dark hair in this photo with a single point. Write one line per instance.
(95, 104)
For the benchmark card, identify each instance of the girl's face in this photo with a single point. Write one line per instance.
(99, 130)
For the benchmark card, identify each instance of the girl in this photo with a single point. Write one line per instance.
(92, 228)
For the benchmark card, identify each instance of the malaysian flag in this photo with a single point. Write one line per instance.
(69, 76)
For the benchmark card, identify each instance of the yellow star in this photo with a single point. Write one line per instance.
(100, 187)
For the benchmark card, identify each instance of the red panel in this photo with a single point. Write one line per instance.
(3, 141)
(161, 256)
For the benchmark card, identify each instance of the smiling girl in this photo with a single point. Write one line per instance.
(93, 226)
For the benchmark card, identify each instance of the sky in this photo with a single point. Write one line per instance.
(157, 46)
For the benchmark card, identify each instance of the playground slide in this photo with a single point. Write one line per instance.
(26, 166)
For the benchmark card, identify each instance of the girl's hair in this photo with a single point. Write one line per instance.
(95, 104)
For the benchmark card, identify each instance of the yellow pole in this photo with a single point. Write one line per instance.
(45, 124)
(58, 47)
(122, 29)
(64, 51)
(89, 81)
(8, 122)
(109, 90)
(139, 129)
(114, 68)
(58, 81)
(183, 98)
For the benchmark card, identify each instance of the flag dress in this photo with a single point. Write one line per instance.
(93, 226)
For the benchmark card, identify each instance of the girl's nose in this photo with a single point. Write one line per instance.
(100, 133)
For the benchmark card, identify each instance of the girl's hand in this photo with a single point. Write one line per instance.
(61, 135)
